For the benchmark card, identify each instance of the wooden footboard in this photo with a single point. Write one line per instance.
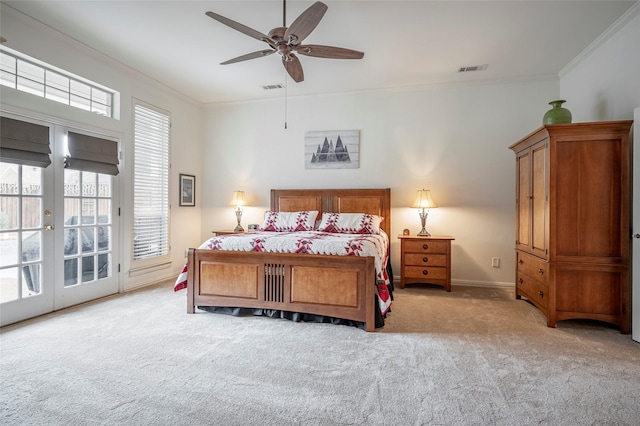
(336, 286)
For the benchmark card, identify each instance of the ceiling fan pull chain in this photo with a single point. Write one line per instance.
(286, 84)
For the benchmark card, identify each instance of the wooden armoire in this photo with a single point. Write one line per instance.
(572, 221)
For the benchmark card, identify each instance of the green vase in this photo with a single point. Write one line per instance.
(557, 114)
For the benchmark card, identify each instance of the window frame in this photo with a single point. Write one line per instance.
(99, 98)
(144, 264)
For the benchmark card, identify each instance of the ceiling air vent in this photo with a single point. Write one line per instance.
(273, 86)
(473, 68)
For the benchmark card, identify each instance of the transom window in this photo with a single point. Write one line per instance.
(30, 75)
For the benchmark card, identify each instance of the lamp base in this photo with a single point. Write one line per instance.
(239, 227)
(424, 233)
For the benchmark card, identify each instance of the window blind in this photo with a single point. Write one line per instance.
(24, 143)
(91, 154)
(151, 184)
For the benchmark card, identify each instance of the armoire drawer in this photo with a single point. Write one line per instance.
(531, 265)
(533, 289)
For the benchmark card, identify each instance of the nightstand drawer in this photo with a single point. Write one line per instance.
(424, 273)
(426, 246)
(425, 259)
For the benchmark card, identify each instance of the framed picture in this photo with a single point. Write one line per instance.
(335, 149)
(187, 190)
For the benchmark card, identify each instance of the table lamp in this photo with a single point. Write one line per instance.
(238, 202)
(424, 202)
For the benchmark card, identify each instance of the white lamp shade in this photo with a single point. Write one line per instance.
(238, 199)
(424, 200)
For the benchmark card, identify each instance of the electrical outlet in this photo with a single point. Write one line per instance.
(495, 262)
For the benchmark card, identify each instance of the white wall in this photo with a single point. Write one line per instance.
(604, 82)
(36, 40)
(451, 140)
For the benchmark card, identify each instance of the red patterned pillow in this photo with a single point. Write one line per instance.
(350, 223)
(289, 221)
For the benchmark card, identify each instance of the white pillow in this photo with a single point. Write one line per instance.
(289, 221)
(350, 223)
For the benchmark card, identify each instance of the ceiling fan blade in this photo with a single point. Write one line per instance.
(239, 27)
(306, 22)
(331, 52)
(294, 68)
(252, 55)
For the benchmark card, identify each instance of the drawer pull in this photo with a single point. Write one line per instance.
(521, 261)
(541, 294)
(425, 246)
(541, 271)
(425, 272)
(520, 281)
(425, 259)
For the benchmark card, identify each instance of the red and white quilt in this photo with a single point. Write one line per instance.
(311, 242)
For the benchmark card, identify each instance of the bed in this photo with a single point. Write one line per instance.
(299, 285)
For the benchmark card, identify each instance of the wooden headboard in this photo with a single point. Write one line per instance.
(370, 201)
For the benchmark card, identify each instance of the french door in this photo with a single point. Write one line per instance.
(58, 234)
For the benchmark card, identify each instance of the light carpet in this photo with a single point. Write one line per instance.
(475, 356)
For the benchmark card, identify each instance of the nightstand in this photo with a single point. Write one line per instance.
(227, 232)
(425, 260)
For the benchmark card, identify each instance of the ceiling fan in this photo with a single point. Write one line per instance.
(287, 40)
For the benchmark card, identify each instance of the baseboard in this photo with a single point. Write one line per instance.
(474, 283)
(167, 278)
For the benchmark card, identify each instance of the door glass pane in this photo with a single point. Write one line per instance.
(104, 211)
(88, 211)
(9, 212)
(70, 272)
(71, 183)
(104, 185)
(31, 277)
(31, 180)
(9, 253)
(87, 269)
(31, 212)
(103, 265)
(9, 178)
(88, 240)
(71, 211)
(88, 184)
(9, 284)
(70, 241)
(103, 238)
(31, 246)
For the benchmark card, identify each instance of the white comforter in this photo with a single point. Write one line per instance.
(312, 242)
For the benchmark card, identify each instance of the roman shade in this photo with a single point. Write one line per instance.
(24, 143)
(91, 154)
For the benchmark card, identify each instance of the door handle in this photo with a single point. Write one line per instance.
(635, 236)
(49, 227)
